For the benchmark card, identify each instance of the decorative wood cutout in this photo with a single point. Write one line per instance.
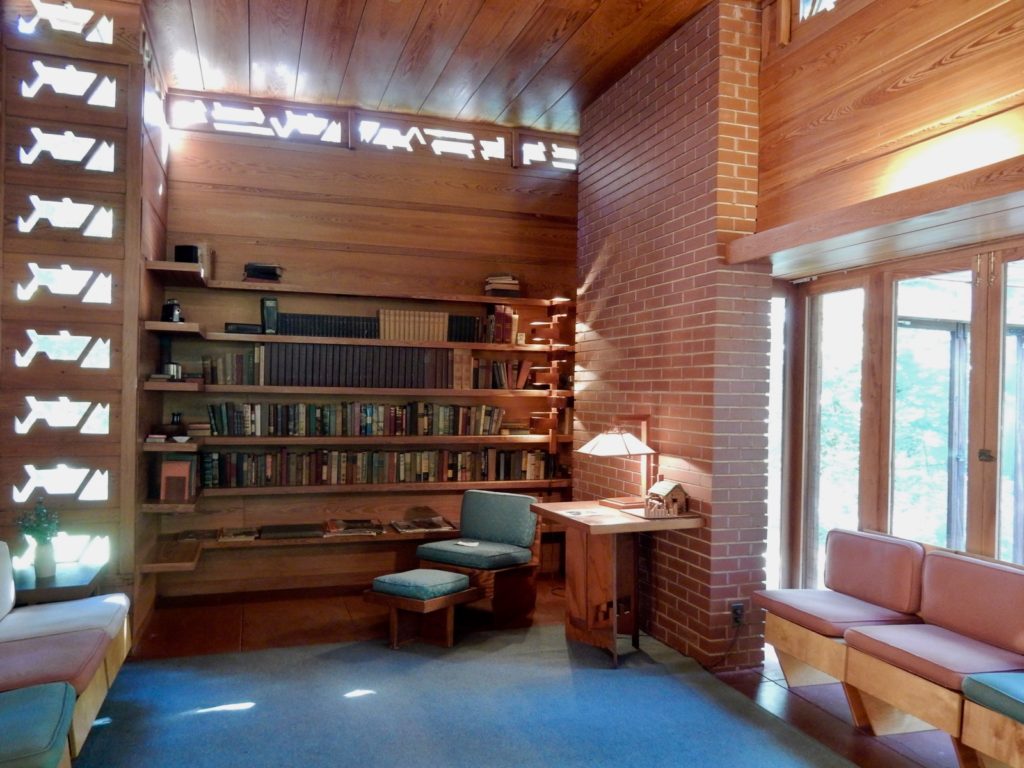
(84, 350)
(71, 81)
(67, 147)
(552, 154)
(65, 17)
(92, 220)
(65, 281)
(268, 120)
(65, 413)
(393, 135)
(83, 483)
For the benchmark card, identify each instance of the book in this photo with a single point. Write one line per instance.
(268, 314)
(353, 527)
(255, 271)
(238, 534)
(292, 531)
(422, 525)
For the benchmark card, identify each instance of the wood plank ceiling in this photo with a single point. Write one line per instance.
(521, 63)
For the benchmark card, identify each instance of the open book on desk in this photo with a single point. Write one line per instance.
(353, 527)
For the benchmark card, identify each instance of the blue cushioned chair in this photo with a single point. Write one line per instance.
(499, 550)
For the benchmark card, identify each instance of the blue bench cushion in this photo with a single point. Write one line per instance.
(34, 722)
(421, 583)
(999, 691)
(488, 555)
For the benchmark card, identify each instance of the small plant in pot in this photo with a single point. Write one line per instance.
(41, 524)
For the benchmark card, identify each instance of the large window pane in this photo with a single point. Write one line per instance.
(833, 421)
(930, 409)
(776, 392)
(1011, 464)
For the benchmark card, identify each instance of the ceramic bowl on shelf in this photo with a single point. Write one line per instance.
(180, 438)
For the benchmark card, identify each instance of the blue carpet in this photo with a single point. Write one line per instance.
(518, 698)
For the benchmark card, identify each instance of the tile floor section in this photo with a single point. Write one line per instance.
(230, 623)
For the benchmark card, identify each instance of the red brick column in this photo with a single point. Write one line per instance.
(667, 177)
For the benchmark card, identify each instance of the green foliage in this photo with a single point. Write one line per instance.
(40, 523)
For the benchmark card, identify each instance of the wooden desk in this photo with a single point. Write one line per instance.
(601, 568)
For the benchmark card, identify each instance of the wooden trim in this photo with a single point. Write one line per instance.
(971, 207)
(993, 734)
(898, 701)
(821, 659)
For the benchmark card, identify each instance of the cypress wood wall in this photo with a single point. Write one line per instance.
(862, 90)
(363, 219)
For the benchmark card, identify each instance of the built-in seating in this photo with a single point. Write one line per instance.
(499, 549)
(34, 724)
(421, 604)
(80, 642)
(870, 579)
(993, 722)
(910, 677)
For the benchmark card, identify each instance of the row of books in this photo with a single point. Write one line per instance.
(502, 285)
(329, 528)
(332, 326)
(352, 419)
(283, 467)
(330, 365)
(179, 477)
(500, 326)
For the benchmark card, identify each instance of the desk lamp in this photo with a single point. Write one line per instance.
(617, 442)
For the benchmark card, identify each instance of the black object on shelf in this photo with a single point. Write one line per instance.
(268, 314)
(188, 254)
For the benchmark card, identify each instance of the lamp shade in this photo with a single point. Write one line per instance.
(616, 443)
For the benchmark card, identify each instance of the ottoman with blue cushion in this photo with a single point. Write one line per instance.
(421, 604)
(993, 719)
(34, 724)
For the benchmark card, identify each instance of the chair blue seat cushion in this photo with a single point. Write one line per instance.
(488, 555)
(421, 583)
(1002, 692)
(34, 722)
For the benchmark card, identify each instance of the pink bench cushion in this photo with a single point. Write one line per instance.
(826, 612)
(72, 657)
(980, 599)
(876, 568)
(931, 652)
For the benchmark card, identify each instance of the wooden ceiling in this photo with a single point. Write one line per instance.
(521, 63)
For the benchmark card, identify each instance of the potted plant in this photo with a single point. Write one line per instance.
(41, 524)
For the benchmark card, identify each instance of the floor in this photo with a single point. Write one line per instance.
(222, 624)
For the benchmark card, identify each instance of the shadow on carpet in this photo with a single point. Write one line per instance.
(518, 698)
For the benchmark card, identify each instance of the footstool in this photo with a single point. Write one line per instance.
(421, 604)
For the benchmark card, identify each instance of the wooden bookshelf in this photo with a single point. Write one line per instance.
(165, 385)
(174, 273)
(184, 329)
(173, 555)
(384, 441)
(171, 446)
(168, 508)
(260, 338)
(243, 389)
(364, 488)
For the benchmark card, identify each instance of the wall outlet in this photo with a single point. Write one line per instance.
(737, 613)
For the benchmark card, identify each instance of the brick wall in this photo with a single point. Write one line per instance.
(666, 328)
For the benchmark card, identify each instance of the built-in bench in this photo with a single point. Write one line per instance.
(34, 722)
(870, 579)
(993, 722)
(80, 642)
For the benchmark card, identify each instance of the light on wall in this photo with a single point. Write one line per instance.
(618, 443)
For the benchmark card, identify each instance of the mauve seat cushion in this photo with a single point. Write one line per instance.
(977, 598)
(999, 691)
(880, 569)
(72, 657)
(932, 652)
(826, 612)
(106, 612)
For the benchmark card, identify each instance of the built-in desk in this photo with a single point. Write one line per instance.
(601, 566)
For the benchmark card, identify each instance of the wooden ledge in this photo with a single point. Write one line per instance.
(977, 206)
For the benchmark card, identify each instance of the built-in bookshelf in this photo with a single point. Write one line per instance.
(368, 397)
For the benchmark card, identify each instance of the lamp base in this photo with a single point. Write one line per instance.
(624, 502)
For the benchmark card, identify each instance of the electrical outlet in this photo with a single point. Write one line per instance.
(737, 613)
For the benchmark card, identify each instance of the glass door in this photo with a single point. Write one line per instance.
(832, 448)
(930, 408)
(1010, 492)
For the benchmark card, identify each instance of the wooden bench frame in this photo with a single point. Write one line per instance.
(431, 620)
(997, 739)
(90, 700)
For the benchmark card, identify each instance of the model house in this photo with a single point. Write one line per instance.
(485, 232)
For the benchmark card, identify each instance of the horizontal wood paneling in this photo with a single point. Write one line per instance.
(891, 75)
(371, 219)
(363, 176)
